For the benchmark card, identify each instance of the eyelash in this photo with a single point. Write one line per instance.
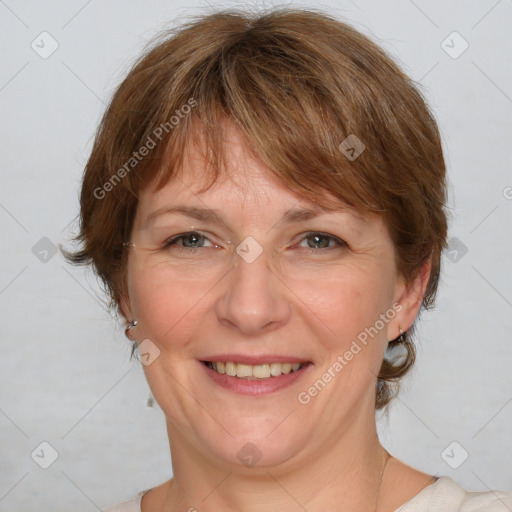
(192, 250)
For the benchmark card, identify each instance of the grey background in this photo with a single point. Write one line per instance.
(65, 374)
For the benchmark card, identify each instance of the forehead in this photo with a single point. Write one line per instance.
(260, 209)
(249, 195)
(243, 179)
(244, 184)
(245, 194)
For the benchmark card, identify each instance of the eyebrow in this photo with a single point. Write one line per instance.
(209, 215)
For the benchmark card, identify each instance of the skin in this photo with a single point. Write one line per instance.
(313, 456)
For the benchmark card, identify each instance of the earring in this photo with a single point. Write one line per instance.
(401, 337)
(131, 326)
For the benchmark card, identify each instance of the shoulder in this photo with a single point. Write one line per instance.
(445, 495)
(132, 505)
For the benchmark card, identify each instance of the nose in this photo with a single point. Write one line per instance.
(254, 298)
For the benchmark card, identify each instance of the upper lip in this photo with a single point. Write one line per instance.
(254, 360)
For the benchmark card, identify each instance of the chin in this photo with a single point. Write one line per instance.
(256, 446)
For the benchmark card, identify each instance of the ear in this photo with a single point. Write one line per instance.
(125, 308)
(409, 295)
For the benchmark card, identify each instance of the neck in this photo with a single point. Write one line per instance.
(346, 471)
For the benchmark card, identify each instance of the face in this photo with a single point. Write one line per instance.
(239, 273)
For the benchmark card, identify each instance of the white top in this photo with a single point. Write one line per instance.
(444, 495)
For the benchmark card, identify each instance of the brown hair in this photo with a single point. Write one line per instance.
(296, 83)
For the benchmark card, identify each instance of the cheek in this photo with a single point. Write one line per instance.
(163, 306)
(339, 307)
(350, 300)
(350, 312)
(349, 330)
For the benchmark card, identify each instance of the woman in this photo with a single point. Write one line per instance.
(264, 202)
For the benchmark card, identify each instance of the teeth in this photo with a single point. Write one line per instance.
(243, 370)
(259, 371)
(230, 369)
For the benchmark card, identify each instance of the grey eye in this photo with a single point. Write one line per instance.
(193, 240)
(318, 241)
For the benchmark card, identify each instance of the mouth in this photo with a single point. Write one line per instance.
(255, 372)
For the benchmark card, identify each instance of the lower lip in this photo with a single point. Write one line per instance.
(255, 387)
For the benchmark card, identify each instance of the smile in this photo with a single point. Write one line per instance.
(254, 372)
